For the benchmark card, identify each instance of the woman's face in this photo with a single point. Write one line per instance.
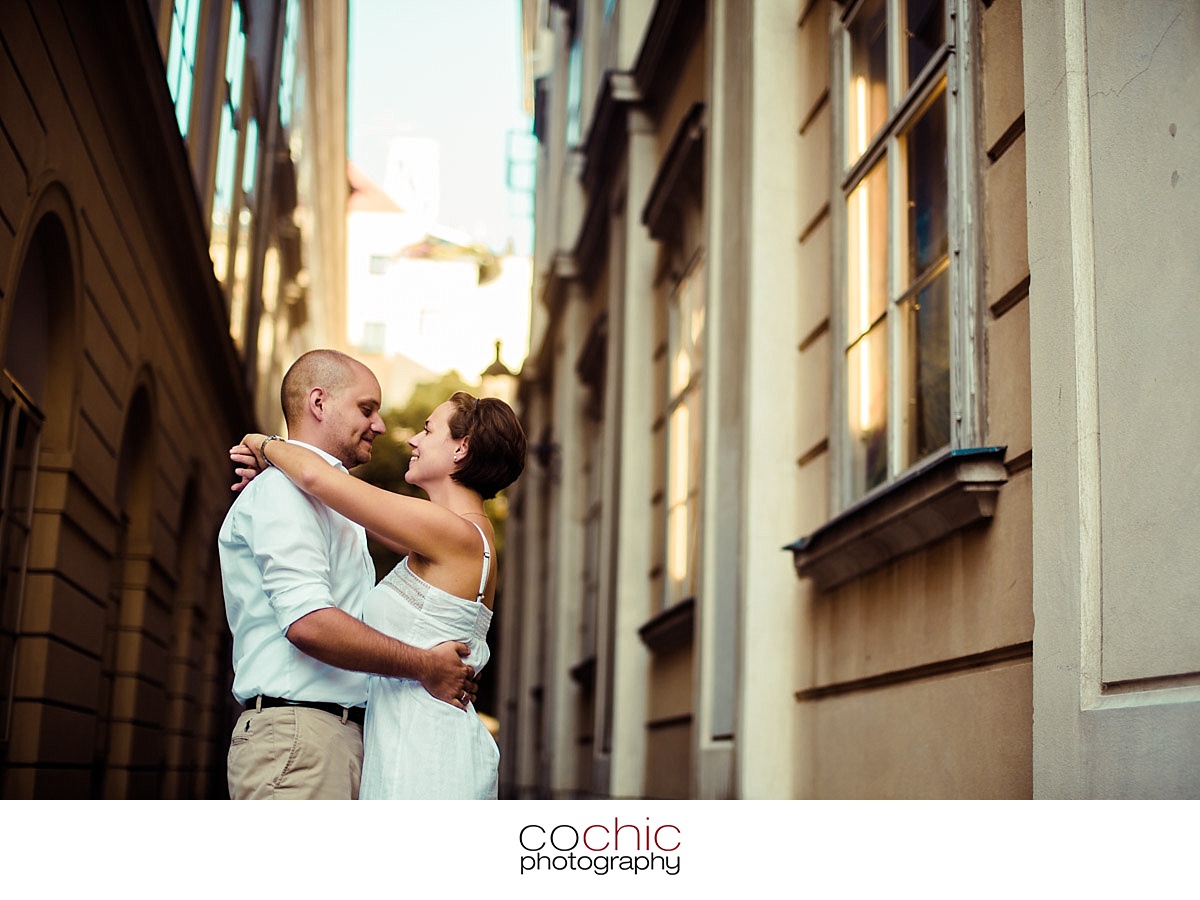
(434, 449)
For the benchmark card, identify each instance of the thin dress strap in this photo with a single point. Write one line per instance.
(487, 563)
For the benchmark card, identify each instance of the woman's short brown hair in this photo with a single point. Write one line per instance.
(495, 443)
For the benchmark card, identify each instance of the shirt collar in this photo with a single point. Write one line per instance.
(328, 457)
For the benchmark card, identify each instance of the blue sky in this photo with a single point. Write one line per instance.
(448, 70)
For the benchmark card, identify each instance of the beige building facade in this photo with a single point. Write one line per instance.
(172, 234)
(857, 394)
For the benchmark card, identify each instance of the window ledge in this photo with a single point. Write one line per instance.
(950, 492)
(670, 629)
(583, 673)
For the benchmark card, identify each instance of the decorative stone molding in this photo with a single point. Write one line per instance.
(949, 493)
(583, 673)
(592, 365)
(670, 629)
(680, 178)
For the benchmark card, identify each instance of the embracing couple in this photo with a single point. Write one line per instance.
(351, 689)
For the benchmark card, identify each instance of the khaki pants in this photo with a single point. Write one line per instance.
(294, 753)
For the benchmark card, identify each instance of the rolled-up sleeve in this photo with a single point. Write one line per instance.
(291, 550)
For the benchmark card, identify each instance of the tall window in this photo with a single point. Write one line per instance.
(181, 58)
(225, 188)
(240, 268)
(273, 309)
(287, 68)
(593, 516)
(575, 82)
(684, 366)
(896, 311)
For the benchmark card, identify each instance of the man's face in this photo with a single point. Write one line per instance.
(352, 420)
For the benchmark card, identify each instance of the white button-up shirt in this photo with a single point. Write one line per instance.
(283, 555)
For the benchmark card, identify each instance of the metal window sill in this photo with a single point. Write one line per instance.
(948, 493)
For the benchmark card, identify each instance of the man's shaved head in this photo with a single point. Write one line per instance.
(328, 369)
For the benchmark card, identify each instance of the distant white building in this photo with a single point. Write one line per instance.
(423, 299)
(413, 176)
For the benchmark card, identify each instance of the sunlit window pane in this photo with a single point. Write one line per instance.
(687, 332)
(866, 396)
(181, 58)
(250, 158)
(685, 342)
(928, 390)
(866, 97)
(681, 368)
(925, 33)
(222, 207)
(287, 67)
(928, 189)
(239, 290)
(867, 252)
(677, 493)
(897, 303)
(574, 91)
(235, 54)
(223, 225)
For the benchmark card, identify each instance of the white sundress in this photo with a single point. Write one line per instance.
(415, 747)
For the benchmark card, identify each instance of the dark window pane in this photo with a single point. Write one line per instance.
(928, 189)
(926, 32)
(928, 324)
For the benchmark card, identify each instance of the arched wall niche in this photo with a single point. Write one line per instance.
(40, 325)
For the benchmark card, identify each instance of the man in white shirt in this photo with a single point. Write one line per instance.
(295, 574)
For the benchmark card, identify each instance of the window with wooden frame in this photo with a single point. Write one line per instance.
(674, 213)
(231, 161)
(906, 382)
(684, 430)
(907, 423)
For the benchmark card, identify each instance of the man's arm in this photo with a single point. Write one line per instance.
(291, 550)
(338, 639)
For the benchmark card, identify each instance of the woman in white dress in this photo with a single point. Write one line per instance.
(415, 746)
